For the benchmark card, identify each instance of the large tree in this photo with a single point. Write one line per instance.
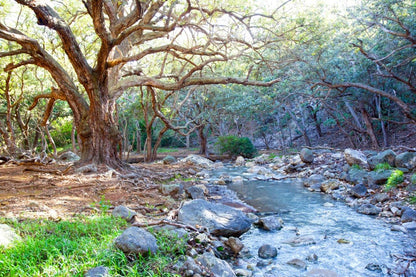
(158, 44)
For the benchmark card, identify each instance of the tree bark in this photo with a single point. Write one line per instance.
(370, 130)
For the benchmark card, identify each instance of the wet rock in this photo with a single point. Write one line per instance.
(410, 225)
(123, 212)
(237, 180)
(221, 220)
(136, 240)
(262, 159)
(240, 161)
(312, 258)
(243, 272)
(100, 271)
(306, 155)
(270, 223)
(69, 156)
(343, 241)
(267, 251)
(7, 235)
(197, 161)
(355, 157)
(406, 160)
(218, 165)
(320, 272)
(373, 267)
(398, 228)
(408, 215)
(216, 266)
(381, 197)
(297, 263)
(169, 159)
(260, 170)
(369, 209)
(235, 244)
(387, 156)
(196, 192)
(172, 190)
(300, 241)
(359, 190)
(329, 185)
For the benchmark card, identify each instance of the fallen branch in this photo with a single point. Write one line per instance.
(165, 222)
(50, 171)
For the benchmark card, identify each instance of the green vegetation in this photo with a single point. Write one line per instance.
(382, 167)
(70, 248)
(236, 146)
(395, 178)
(356, 166)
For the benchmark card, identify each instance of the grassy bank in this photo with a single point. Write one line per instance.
(70, 248)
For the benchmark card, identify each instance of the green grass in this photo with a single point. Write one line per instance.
(173, 150)
(70, 248)
(356, 166)
(382, 167)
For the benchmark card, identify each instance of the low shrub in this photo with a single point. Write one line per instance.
(382, 166)
(395, 178)
(236, 146)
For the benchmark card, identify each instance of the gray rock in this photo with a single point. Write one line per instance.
(300, 241)
(357, 176)
(406, 160)
(198, 161)
(237, 180)
(240, 161)
(89, 168)
(123, 212)
(408, 215)
(297, 263)
(369, 209)
(196, 192)
(314, 179)
(172, 190)
(69, 156)
(329, 185)
(379, 177)
(100, 271)
(136, 240)
(7, 235)
(271, 223)
(374, 267)
(359, 190)
(169, 159)
(387, 156)
(190, 267)
(267, 251)
(320, 272)
(243, 272)
(216, 266)
(312, 258)
(355, 157)
(306, 155)
(235, 244)
(221, 220)
(381, 197)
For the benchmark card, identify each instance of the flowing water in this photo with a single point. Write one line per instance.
(345, 241)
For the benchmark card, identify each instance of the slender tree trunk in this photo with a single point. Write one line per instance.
(188, 141)
(138, 139)
(370, 129)
(73, 140)
(50, 138)
(203, 149)
(157, 143)
(382, 123)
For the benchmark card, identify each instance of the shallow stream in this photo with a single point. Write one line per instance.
(344, 241)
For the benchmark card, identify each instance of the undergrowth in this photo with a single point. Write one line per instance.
(70, 248)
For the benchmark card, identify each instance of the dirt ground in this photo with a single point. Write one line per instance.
(55, 191)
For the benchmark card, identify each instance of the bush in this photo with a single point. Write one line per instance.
(395, 178)
(236, 146)
(382, 167)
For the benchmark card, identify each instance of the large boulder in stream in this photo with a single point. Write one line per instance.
(198, 161)
(220, 220)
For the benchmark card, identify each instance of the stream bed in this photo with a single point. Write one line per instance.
(342, 240)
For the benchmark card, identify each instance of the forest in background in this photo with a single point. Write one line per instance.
(314, 73)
